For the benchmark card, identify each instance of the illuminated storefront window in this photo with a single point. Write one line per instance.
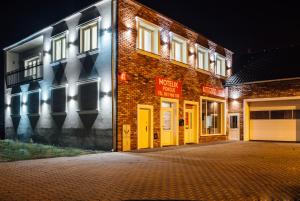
(212, 116)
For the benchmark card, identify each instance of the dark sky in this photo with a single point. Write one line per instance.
(237, 25)
(234, 24)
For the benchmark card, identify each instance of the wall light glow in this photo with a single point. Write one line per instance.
(24, 98)
(71, 91)
(8, 100)
(235, 95)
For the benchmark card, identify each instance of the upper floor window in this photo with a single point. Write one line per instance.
(89, 37)
(178, 49)
(148, 36)
(30, 66)
(220, 65)
(59, 48)
(202, 58)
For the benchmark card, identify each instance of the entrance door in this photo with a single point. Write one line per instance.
(167, 126)
(189, 126)
(234, 127)
(144, 126)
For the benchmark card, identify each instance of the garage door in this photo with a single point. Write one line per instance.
(275, 121)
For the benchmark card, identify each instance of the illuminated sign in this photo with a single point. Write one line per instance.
(213, 91)
(168, 88)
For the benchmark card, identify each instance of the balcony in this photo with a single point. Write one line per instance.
(24, 62)
(24, 75)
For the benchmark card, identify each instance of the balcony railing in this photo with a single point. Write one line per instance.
(24, 75)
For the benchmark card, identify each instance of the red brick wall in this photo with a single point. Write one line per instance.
(274, 89)
(142, 70)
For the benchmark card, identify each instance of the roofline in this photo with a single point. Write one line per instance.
(264, 81)
(48, 27)
(96, 3)
(170, 19)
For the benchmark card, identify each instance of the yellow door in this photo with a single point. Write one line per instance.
(144, 128)
(189, 126)
(167, 123)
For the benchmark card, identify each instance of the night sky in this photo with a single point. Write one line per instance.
(236, 25)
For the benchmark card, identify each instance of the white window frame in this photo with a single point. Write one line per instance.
(145, 26)
(222, 70)
(63, 48)
(204, 51)
(31, 71)
(238, 121)
(176, 39)
(223, 113)
(89, 26)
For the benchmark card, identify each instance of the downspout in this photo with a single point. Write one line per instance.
(113, 74)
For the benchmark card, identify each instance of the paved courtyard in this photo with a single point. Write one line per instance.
(227, 171)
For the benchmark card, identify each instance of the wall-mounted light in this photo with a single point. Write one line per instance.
(123, 76)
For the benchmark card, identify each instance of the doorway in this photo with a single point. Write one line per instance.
(191, 122)
(169, 122)
(234, 126)
(145, 127)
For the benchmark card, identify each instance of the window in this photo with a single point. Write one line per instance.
(89, 37)
(88, 96)
(179, 49)
(31, 66)
(15, 105)
(274, 114)
(220, 65)
(33, 102)
(282, 114)
(212, 115)
(59, 48)
(296, 114)
(202, 58)
(148, 36)
(58, 103)
(234, 121)
(260, 115)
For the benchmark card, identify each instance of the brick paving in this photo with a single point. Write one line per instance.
(227, 171)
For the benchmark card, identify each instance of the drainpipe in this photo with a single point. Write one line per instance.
(114, 4)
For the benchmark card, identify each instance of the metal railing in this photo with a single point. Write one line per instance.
(24, 75)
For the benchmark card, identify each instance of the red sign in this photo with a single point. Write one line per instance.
(168, 88)
(213, 91)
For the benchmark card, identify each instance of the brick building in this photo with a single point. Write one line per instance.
(263, 97)
(120, 76)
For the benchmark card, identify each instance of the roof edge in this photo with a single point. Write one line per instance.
(51, 25)
(263, 81)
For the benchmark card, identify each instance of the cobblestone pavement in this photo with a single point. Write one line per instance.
(227, 171)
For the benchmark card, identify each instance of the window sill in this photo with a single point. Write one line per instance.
(202, 135)
(180, 63)
(88, 53)
(58, 113)
(33, 115)
(61, 61)
(203, 71)
(15, 115)
(88, 112)
(150, 54)
(221, 76)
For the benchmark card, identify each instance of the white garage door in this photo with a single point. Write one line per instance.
(275, 120)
